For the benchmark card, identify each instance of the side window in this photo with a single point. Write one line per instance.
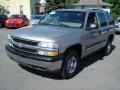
(109, 18)
(21, 9)
(102, 19)
(92, 19)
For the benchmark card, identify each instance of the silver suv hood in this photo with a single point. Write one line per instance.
(43, 32)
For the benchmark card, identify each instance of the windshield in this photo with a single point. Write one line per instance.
(65, 18)
(16, 16)
(37, 17)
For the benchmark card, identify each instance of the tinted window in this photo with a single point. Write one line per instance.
(102, 19)
(109, 18)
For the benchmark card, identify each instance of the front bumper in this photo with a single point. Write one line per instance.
(43, 63)
(15, 25)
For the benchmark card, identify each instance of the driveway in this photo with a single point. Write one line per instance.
(97, 72)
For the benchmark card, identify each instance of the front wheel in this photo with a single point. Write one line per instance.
(70, 64)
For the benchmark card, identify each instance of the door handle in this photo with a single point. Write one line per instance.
(102, 32)
(95, 34)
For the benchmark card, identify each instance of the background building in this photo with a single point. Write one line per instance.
(27, 7)
(93, 4)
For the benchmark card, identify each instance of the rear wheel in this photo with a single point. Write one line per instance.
(108, 47)
(70, 64)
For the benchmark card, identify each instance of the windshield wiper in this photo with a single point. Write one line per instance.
(64, 25)
(61, 24)
(44, 23)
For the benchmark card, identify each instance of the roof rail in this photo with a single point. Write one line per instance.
(94, 8)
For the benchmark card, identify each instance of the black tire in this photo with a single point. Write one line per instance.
(108, 48)
(70, 64)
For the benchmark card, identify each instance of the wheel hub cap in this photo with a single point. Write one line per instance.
(71, 64)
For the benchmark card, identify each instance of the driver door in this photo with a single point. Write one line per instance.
(92, 33)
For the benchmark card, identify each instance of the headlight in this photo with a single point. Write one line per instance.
(48, 45)
(48, 49)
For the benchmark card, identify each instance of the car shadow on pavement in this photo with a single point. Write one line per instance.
(85, 62)
(50, 75)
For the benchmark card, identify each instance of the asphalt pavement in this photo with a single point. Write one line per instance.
(98, 72)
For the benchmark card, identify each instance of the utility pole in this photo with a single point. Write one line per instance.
(98, 3)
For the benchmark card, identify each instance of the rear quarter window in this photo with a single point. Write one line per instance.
(109, 18)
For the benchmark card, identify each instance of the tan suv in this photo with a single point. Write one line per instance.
(62, 39)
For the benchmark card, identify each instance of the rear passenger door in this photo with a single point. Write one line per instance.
(111, 23)
(104, 27)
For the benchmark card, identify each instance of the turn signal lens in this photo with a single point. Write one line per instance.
(54, 53)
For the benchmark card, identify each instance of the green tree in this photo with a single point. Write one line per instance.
(115, 9)
(58, 4)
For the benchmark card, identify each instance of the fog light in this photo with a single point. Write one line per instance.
(46, 53)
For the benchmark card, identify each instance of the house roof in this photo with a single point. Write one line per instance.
(92, 2)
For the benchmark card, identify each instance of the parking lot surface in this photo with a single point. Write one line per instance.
(98, 72)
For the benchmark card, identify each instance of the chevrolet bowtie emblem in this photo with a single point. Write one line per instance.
(20, 45)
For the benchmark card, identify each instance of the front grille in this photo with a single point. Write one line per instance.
(28, 42)
(25, 49)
